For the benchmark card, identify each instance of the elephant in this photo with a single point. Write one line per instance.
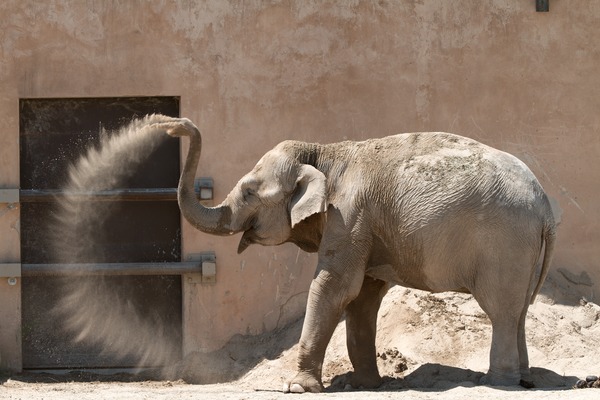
(432, 211)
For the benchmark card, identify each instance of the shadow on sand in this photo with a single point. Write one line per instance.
(438, 378)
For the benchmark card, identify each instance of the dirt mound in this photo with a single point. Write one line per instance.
(424, 340)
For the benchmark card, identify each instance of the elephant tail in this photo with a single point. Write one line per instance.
(548, 237)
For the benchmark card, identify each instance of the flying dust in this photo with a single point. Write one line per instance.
(95, 311)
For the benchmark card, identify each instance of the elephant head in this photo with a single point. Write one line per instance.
(280, 200)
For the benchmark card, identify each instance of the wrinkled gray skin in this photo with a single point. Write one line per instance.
(431, 211)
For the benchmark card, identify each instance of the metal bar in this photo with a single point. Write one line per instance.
(156, 268)
(50, 195)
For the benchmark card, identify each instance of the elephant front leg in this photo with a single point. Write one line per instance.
(361, 327)
(329, 294)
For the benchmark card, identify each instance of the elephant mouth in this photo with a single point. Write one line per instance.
(257, 234)
(252, 237)
(249, 237)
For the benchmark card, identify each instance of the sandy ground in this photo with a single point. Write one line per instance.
(430, 346)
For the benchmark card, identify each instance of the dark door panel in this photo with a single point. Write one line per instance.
(49, 344)
(53, 134)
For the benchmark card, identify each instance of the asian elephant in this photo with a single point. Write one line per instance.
(432, 211)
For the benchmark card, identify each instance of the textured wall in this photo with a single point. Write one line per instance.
(252, 73)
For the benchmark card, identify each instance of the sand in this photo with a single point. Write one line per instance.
(430, 346)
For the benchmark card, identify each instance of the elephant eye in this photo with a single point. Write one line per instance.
(249, 187)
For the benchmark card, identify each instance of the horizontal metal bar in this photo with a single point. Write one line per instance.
(156, 268)
(50, 195)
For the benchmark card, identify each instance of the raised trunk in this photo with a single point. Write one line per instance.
(213, 220)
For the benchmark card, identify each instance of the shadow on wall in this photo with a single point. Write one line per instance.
(565, 287)
(562, 285)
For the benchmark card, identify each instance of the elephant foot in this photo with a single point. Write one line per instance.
(365, 380)
(500, 379)
(303, 382)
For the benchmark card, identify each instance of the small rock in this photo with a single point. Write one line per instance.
(591, 378)
(392, 352)
(400, 367)
(581, 384)
(596, 384)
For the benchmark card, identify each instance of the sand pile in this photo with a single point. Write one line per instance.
(424, 341)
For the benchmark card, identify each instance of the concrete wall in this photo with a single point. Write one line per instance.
(253, 73)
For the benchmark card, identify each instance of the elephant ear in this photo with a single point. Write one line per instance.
(310, 195)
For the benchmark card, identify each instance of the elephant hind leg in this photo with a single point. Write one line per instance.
(526, 379)
(504, 367)
(508, 354)
(502, 355)
(361, 326)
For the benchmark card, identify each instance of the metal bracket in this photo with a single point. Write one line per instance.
(9, 195)
(204, 188)
(542, 5)
(208, 261)
(10, 270)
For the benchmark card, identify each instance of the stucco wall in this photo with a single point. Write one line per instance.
(253, 73)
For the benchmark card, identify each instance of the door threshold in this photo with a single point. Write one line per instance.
(136, 374)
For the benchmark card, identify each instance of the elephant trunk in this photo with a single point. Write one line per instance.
(213, 220)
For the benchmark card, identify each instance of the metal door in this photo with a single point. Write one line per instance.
(141, 232)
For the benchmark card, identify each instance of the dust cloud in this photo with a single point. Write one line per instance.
(95, 311)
